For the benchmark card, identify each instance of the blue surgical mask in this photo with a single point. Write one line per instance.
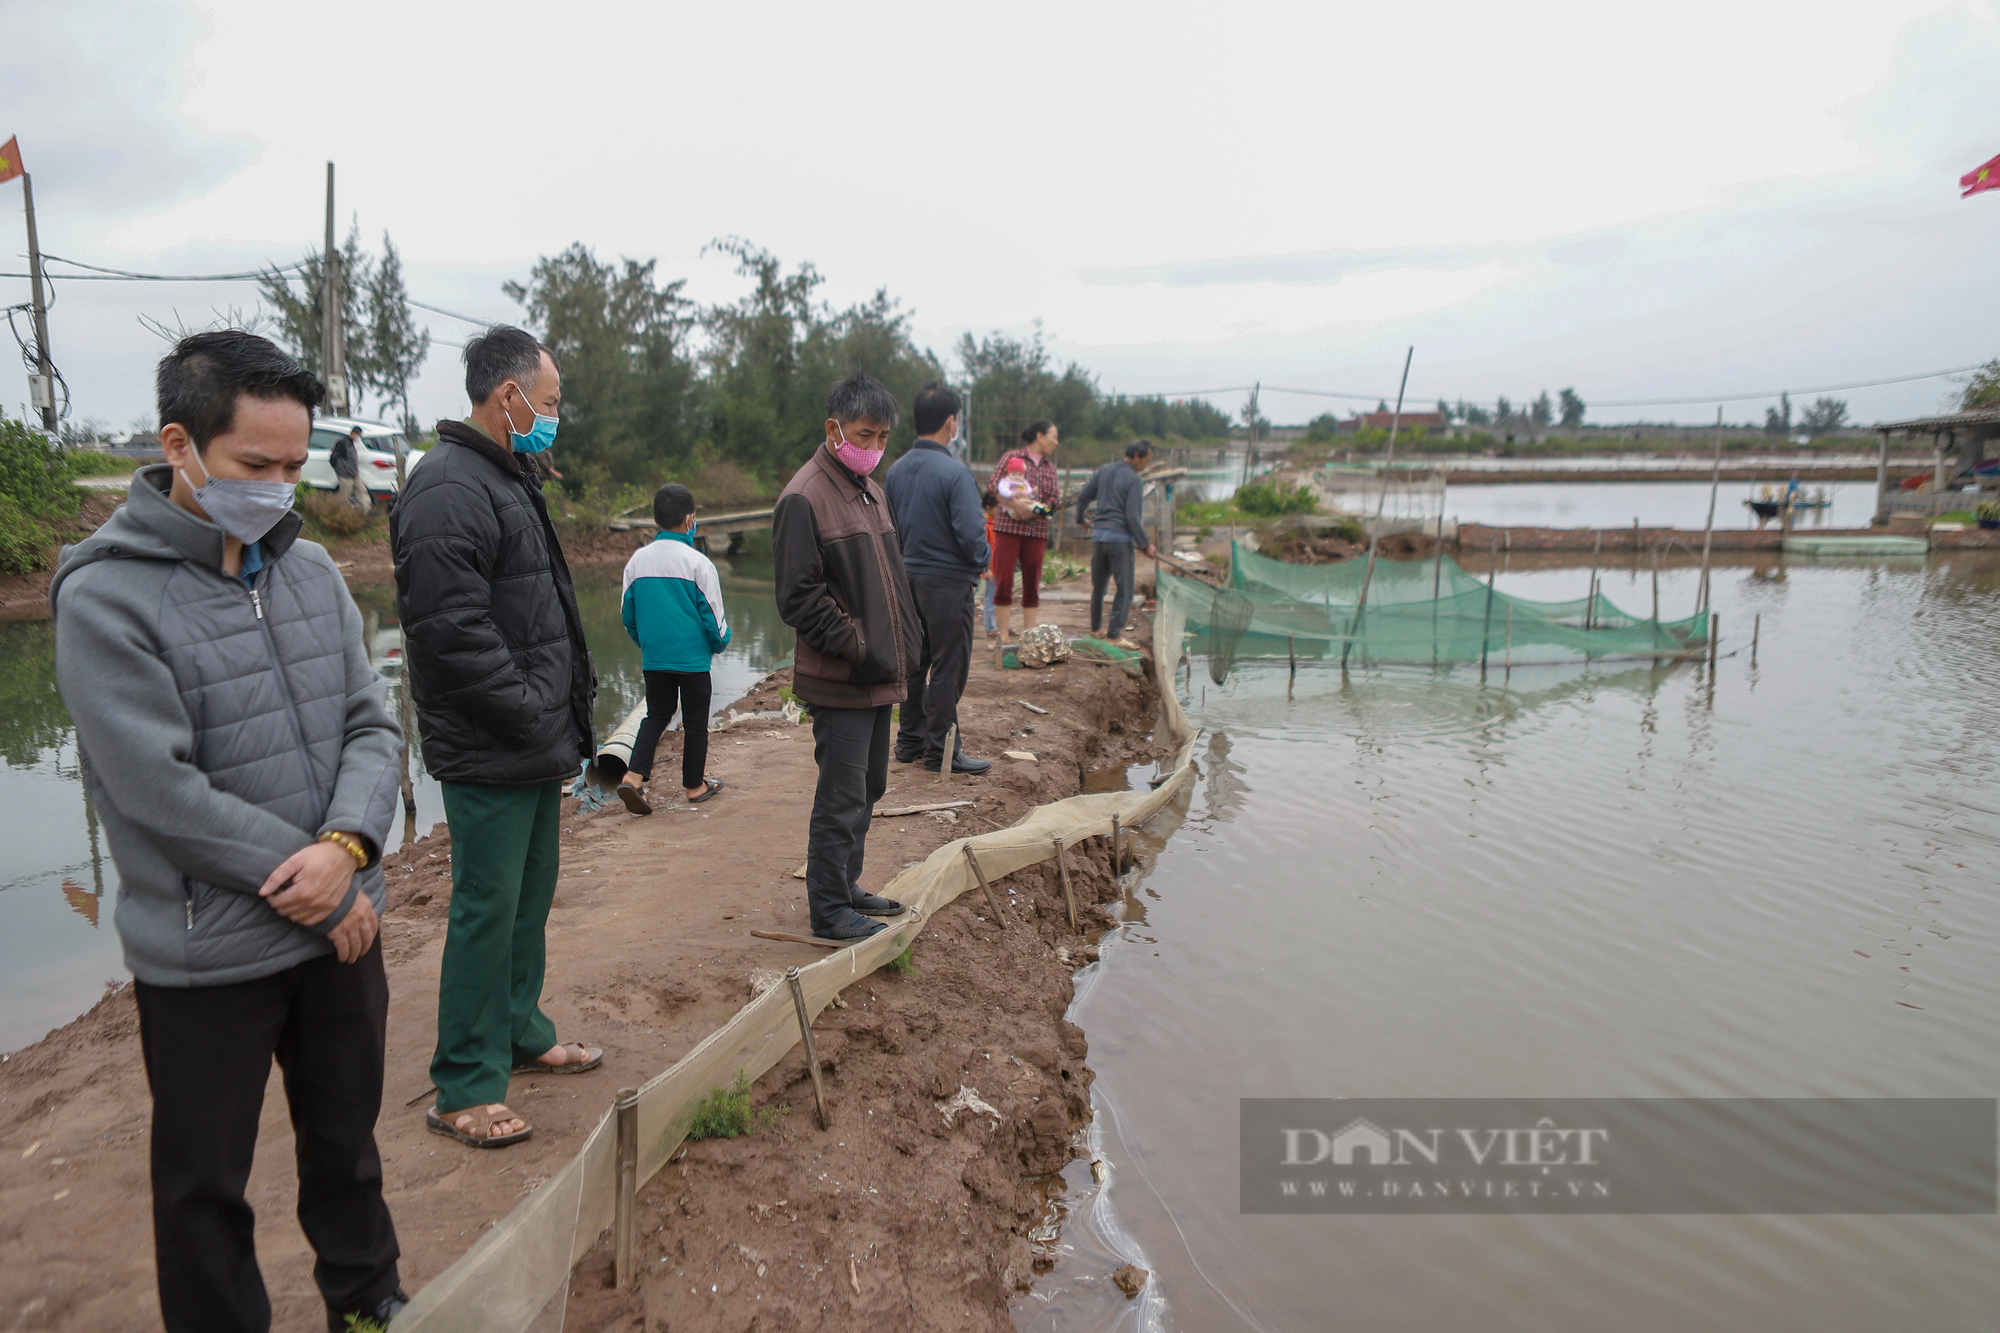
(246, 510)
(540, 436)
(694, 527)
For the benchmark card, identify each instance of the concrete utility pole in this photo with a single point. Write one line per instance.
(42, 389)
(332, 333)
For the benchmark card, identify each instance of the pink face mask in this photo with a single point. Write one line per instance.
(857, 460)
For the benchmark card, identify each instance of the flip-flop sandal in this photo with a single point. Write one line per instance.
(635, 799)
(591, 1060)
(482, 1118)
(713, 785)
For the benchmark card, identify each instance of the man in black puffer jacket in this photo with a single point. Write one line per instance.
(502, 680)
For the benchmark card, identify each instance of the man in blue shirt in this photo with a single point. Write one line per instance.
(935, 504)
(1118, 531)
(673, 611)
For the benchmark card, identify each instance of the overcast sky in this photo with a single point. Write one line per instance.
(1645, 202)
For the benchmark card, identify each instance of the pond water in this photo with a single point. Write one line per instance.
(1612, 504)
(58, 949)
(1607, 882)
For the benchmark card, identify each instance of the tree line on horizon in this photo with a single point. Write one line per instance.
(656, 384)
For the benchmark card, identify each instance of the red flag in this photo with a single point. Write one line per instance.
(1986, 177)
(10, 160)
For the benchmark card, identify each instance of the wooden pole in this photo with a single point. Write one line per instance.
(1382, 497)
(408, 712)
(38, 313)
(812, 1053)
(1756, 632)
(1486, 626)
(1708, 531)
(623, 1226)
(1590, 605)
(1714, 636)
(950, 762)
(1069, 894)
(1882, 482)
(332, 332)
(1656, 599)
(1117, 846)
(992, 902)
(1509, 672)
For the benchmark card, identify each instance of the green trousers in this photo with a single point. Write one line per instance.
(504, 860)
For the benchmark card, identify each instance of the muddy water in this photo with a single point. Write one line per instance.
(58, 949)
(1572, 883)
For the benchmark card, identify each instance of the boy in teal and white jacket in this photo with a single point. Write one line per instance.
(673, 611)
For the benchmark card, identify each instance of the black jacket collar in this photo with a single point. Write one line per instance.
(459, 432)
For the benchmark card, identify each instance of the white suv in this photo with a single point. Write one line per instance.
(377, 455)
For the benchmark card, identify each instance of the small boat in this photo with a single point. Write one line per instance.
(1862, 545)
(1773, 503)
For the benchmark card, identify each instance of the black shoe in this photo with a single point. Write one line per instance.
(908, 754)
(848, 924)
(869, 905)
(962, 763)
(337, 1320)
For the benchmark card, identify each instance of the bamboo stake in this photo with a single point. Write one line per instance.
(1590, 605)
(1708, 531)
(1486, 626)
(812, 1053)
(1509, 672)
(1069, 894)
(1381, 504)
(1756, 630)
(1117, 847)
(950, 763)
(1714, 637)
(626, 1108)
(992, 903)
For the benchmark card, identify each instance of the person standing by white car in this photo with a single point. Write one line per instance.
(346, 464)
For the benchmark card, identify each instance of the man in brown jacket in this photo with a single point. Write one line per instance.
(841, 585)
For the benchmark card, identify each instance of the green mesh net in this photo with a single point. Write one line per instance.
(1417, 612)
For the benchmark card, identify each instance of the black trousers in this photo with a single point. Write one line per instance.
(689, 691)
(851, 747)
(948, 608)
(1109, 562)
(208, 1053)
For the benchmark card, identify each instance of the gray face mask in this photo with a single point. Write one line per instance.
(246, 510)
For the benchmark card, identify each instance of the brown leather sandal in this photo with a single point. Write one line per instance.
(586, 1058)
(474, 1125)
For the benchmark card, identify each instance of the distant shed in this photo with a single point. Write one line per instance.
(1962, 471)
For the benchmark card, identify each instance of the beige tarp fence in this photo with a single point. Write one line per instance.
(516, 1278)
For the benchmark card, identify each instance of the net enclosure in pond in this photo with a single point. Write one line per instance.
(1416, 612)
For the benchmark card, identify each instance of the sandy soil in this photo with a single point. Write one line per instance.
(891, 1219)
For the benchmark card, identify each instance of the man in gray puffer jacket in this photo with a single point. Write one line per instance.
(243, 759)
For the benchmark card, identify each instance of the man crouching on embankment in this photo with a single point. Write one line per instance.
(841, 586)
(239, 748)
(497, 667)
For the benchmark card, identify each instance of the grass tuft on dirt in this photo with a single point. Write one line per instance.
(726, 1114)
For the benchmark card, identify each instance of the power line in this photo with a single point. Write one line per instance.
(440, 310)
(127, 275)
(1622, 402)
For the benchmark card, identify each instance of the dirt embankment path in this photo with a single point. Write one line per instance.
(892, 1219)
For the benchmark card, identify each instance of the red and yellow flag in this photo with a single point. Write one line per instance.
(1984, 177)
(10, 159)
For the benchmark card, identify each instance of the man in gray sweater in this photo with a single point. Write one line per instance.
(1118, 530)
(241, 754)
